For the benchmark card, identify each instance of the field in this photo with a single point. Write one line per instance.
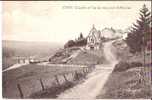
(28, 76)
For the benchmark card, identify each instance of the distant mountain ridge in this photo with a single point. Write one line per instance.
(22, 48)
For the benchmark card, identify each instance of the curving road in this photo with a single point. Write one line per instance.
(95, 81)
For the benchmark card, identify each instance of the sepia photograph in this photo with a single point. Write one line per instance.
(76, 50)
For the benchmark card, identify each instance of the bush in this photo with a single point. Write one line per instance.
(70, 43)
(123, 66)
(135, 64)
(78, 76)
(81, 42)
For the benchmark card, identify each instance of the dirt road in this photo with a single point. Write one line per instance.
(95, 81)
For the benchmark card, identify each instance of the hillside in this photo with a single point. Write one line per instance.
(78, 56)
(88, 57)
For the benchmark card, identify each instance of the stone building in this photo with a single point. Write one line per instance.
(94, 39)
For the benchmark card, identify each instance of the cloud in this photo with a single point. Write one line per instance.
(47, 21)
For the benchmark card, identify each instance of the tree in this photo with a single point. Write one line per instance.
(80, 37)
(81, 41)
(70, 43)
(140, 31)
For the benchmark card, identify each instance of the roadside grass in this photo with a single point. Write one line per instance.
(126, 85)
(52, 92)
(35, 71)
(56, 89)
(30, 74)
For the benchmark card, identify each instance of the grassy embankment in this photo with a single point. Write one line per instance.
(29, 74)
(84, 57)
(130, 79)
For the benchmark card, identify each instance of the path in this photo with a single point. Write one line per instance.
(14, 66)
(95, 81)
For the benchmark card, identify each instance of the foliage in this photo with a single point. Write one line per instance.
(126, 85)
(123, 66)
(80, 37)
(140, 31)
(81, 41)
(70, 43)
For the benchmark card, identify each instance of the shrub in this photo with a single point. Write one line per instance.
(78, 76)
(70, 43)
(81, 42)
(123, 66)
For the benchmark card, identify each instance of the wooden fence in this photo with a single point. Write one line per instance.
(66, 77)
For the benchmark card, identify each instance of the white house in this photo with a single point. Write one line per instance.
(94, 39)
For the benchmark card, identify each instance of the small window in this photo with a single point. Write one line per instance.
(92, 40)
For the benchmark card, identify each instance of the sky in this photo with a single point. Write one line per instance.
(60, 21)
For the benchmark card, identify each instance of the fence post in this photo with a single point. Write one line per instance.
(20, 90)
(57, 80)
(76, 73)
(17, 60)
(84, 71)
(65, 77)
(42, 85)
(87, 69)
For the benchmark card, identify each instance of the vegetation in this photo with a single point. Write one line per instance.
(55, 90)
(140, 32)
(28, 76)
(81, 41)
(131, 79)
(52, 92)
(61, 54)
(88, 58)
(123, 66)
(126, 85)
